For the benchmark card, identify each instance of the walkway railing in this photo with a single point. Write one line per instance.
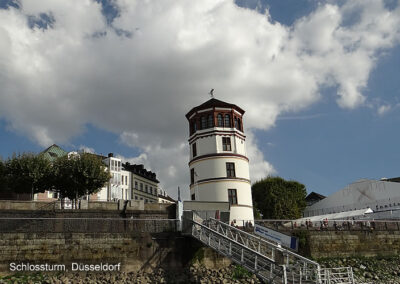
(87, 225)
(248, 250)
(254, 261)
(332, 225)
(342, 275)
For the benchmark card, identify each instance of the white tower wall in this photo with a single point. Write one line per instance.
(220, 172)
(215, 167)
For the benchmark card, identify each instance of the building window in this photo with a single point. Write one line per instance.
(203, 122)
(230, 169)
(210, 122)
(145, 188)
(135, 197)
(193, 197)
(239, 124)
(136, 184)
(226, 144)
(227, 120)
(220, 122)
(193, 126)
(151, 190)
(192, 176)
(141, 186)
(194, 150)
(232, 196)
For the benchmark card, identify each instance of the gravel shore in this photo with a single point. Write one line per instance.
(366, 270)
(193, 274)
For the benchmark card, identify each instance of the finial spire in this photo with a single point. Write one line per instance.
(211, 93)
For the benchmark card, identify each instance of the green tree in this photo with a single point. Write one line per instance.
(3, 184)
(276, 198)
(28, 173)
(79, 175)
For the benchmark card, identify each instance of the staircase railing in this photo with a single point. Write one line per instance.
(261, 265)
(266, 259)
(298, 268)
(342, 275)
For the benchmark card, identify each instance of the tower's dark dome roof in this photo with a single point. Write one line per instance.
(214, 103)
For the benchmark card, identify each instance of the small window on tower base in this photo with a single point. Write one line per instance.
(193, 197)
(194, 150)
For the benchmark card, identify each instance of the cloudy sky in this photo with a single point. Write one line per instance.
(319, 81)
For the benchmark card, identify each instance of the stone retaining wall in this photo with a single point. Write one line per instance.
(352, 243)
(135, 252)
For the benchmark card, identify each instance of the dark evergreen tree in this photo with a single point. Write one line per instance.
(276, 198)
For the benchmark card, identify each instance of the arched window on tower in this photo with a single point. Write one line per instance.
(203, 122)
(227, 120)
(193, 126)
(220, 121)
(210, 122)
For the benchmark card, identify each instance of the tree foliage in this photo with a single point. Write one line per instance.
(79, 175)
(72, 177)
(3, 184)
(27, 173)
(276, 198)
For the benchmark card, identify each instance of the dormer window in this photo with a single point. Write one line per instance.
(203, 122)
(193, 127)
(227, 120)
(220, 121)
(210, 122)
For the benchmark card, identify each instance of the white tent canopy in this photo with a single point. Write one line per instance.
(337, 216)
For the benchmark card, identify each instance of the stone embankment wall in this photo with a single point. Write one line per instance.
(319, 244)
(140, 239)
(131, 205)
(135, 251)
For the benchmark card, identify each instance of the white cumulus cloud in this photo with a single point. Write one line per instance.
(139, 75)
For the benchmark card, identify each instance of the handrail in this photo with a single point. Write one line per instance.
(296, 268)
(241, 245)
(263, 266)
(88, 218)
(269, 243)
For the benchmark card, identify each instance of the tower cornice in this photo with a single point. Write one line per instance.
(214, 103)
(214, 131)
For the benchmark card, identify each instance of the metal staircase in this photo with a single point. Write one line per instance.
(267, 260)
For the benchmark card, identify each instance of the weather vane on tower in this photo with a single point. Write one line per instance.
(211, 93)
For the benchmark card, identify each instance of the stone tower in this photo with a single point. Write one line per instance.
(219, 167)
